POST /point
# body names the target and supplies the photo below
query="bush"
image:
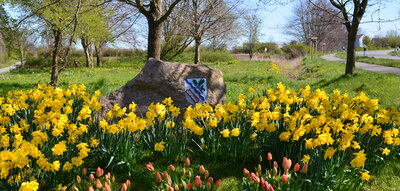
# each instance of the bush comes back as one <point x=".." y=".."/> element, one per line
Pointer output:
<point x="295" y="50"/>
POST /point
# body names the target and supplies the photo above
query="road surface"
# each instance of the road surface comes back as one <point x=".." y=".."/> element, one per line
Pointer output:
<point x="365" y="66"/>
<point x="379" y="54"/>
<point x="12" y="67"/>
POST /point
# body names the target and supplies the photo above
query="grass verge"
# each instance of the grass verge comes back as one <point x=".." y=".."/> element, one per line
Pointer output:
<point x="372" y="60"/>
<point x="8" y="63"/>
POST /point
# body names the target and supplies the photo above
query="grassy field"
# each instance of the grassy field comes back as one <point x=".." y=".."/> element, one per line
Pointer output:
<point x="315" y="72"/>
<point x="372" y="60"/>
<point x="393" y="53"/>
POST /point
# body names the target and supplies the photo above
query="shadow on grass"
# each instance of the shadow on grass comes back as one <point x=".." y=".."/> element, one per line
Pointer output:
<point x="12" y="86"/>
<point x="324" y="82"/>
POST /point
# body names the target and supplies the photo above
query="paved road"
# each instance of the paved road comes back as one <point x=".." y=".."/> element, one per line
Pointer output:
<point x="12" y="67"/>
<point x="364" y="66"/>
<point x="379" y="54"/>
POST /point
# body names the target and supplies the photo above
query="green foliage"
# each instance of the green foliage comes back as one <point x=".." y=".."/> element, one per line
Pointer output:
<point x="295" y="50"/>
<point x="367" y="41"/>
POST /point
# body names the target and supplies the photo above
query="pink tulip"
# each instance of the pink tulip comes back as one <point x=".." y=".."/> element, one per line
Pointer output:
<point x="187" y="162"/>
<point x="150" y="167"/>
<point x="78" y="179"/>
<point x="170" y="189"/>
<point x="206" y="174"/>
<point x="176" y="187"/>
<point x="218" y="183"/>
<point x="158" y="177"/>
<point x="208" y="186"/>
<point x="124" y="187"/>
<point x="304" y="169"/>
<point x="197" y="181"/>
<point x="98" y="184"/>
<point x="202" y="169"/>
<point x="128" y="183"/>
<point x="84" y="171"/>
<point x="269" y="156"/>
<point x="246" y="173"/>
<point x="171" y="167"/>
<point x="99" y="172"/>
<point x="285" y="179"/>
<point x="255" y="178"/>
<point x="296" y="167"/>
<point x="189" y="186"/>
<point x="107" y="187"/>
<point x="210" y="179"/>
<point x="91" y="177"/>
<point x="91" y="188"/>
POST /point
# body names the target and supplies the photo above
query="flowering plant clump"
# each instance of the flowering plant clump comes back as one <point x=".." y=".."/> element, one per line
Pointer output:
<point x="183" y="178"/>
<point x="99" y="180"/>
<point x="44" y="135"/>
<point x="274" y="177"/>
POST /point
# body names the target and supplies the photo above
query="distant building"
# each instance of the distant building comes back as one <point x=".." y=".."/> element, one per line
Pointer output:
<point x="359" y="40"/>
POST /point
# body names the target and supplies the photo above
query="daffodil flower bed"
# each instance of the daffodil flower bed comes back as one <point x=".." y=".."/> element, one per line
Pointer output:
<point x="47" y="134"/>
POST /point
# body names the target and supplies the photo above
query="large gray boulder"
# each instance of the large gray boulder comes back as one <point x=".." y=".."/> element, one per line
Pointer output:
<point x="159" y="80"/>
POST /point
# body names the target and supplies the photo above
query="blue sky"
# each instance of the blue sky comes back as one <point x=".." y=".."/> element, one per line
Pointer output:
<point x="275" y="19"/>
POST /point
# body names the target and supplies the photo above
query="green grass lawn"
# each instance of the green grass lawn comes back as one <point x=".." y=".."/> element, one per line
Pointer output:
<point x="315" y="72"/>
<point x="372" y="60"/>
<point x="8" y="63"/>
<point x="393" y="53"/>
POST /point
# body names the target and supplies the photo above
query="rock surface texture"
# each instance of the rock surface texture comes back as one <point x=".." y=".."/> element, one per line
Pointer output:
<point x="159" y="80"/>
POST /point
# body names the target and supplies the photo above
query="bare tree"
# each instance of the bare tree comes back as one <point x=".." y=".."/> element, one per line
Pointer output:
<point x="175" y="36"/>
<point x="312" y="21"/>
<point x="153" y="11"/>
<point x="210" y="18"/>
<point x="252" y="30"/>
<point x="352" y="20"/>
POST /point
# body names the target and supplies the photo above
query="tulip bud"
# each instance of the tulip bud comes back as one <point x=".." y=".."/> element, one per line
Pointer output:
<point x="269" y="157"/>
<point x="208" y="186"/>
<point x="275" y="164"/>
<point x="296" y="167"/>
<point x="150" y="167"/>
<point x="78" y="179"/>
<point x="84" y="171"/>
<point x="189" y="173"/>
<point x="107" y="176"/>
<point x="246" y="173"/>
<point x="165" y="175"/>
<point x="263" y="183"/>
<point x="202" y="169"/>
<point x="170" y="189"/>
<point x="218" y="183"/>
<point x="259" y="168"/>
<point x="260" y="158"/>
<point x="98" y="184"/>
<point x="275" y="171"/>
<point x="304" y="169"/>
<point x="158" y="177"/>
<point x="91" y="177"/>
<point x="206" y="174"/>
<point x="128" y="183"/>
<point x="124" y="187"/>
<point x="91" y="188"/>
<point x="197" y="181"/>
<point x="183" y="171"/>
<point x="255" y="178"/>
<point x="99" y="172"/>
<point x="285" y="179"/>
<point x="187" y="162"/>
<point x="210" y="179"/>
<point x="189" y="186"/>
<point x="176" y="187"/>
<point x="107" y="187"/>
<point x="171" y="167"/>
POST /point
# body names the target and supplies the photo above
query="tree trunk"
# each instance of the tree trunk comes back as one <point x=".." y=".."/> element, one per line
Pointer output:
<point x="99" y="54"/>
<point x="54" y="65"/>
<point x="197" y="52"/>
<point x="21" y="55"/>
<point x="87" y="49"/>
<point x="351" y="51"/>
<point x="154" y="40"/>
